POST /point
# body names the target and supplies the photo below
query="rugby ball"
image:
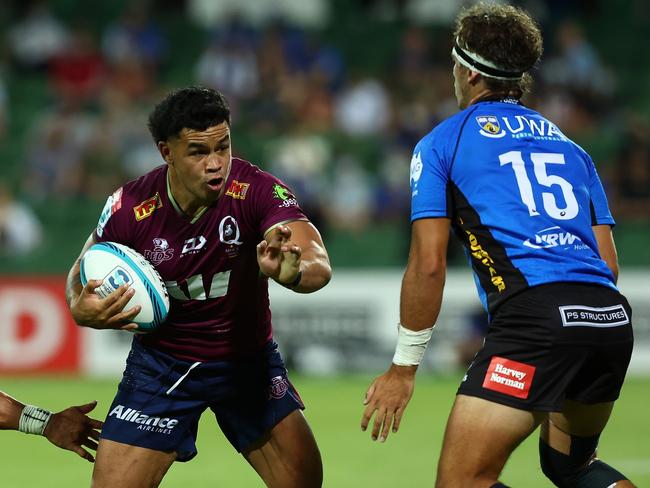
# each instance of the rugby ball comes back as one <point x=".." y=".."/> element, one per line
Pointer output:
<point x="116" y="264"/>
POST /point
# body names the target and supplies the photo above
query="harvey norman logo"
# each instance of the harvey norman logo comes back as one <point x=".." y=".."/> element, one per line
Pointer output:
<point x="554" y="237"/>
<point x="158" y="425"/>
<point x="509" y="377"/>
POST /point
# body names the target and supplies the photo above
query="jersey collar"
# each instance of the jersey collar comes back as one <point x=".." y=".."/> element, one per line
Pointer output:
<point x="497" y="98"/>
<point x="199" y="213"/>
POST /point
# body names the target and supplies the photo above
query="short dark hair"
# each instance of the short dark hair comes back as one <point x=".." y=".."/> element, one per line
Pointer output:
<point x="505" y="35"/>
<point x="193" y="107"/>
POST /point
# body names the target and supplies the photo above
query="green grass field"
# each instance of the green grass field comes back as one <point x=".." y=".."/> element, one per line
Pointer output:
<point x="351" y="460"/>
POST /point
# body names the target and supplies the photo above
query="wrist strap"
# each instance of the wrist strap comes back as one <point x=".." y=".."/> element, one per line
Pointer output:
<point x="295" y="282"/>
<point x="33" y="420"/>
<point x="411" y="345"/>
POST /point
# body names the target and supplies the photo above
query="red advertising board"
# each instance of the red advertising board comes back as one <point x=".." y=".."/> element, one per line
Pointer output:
<point x="37" y="333"/>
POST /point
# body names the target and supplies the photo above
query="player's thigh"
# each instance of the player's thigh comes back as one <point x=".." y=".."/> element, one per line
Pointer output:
<point x="479" y="438"/>
<point x="576" y="419"/>
<point x="125" y="466"/>
<point x="288" y="456"/>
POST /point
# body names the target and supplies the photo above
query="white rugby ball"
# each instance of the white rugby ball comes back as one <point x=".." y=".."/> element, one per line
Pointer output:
<point x="116" y="264"/>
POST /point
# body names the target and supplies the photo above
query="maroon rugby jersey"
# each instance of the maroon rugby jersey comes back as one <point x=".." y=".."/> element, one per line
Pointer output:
<point x="219" y="303"/>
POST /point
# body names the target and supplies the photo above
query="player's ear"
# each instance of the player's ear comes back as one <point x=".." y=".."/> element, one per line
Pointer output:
<point x="473" y="77"/>
<point x="165" y="152"/>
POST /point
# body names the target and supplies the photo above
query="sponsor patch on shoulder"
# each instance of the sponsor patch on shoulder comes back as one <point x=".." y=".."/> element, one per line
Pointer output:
<point x="285" y="196"/>
<point x="112" y="205"/>
<point x="579" y="315"/>
<point x="146" y="208"/>
<point x="509" y="377"/>
<point x="237" y="190"/>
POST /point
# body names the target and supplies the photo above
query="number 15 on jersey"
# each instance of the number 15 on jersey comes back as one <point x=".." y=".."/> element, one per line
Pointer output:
<point x="540" y="162"/>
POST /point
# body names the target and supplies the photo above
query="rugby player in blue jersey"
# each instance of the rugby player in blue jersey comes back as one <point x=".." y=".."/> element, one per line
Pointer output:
<point x="69" y="429"/>
<point x="216" y="228"/>
<point x="529" y="207"/>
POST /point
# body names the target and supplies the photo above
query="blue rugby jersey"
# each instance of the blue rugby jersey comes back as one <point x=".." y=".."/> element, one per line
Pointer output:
<point x="521" y="196"/>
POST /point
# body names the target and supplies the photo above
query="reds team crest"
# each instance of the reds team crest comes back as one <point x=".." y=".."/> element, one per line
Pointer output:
<point x="490" y="127"/>
<point x="278" y="388"/>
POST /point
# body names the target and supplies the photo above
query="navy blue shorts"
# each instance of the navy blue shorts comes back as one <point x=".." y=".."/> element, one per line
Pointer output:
<point x="551" y="343"/>
<point x="160" y="400"/>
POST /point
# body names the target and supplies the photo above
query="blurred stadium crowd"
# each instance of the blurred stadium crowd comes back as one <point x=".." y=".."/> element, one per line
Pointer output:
<point x="330" y="96"/>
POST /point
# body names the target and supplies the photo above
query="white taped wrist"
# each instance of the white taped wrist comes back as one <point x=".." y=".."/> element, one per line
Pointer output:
<point x="33" y="420"/>
<point x="411" y="345"/>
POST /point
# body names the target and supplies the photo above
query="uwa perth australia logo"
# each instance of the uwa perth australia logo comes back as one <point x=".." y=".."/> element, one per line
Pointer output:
<point x="159" y="425"/>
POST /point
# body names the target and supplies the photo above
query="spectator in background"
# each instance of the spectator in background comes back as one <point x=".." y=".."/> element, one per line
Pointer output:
<point x="54" y="167"/>
<point x="273" y="64"/>
<point x="577" y="64"/>
<point x="77" y="72"/>
<point x="4" y="103"/>
<point x="102" y="161"/>
<point x="349" y="205"/>
<point x="305" y="13"/>
<point x="414" y="60"/>
<point x="316" y="111"/>
<point x="392" y="203"/>
<point x="135" y="36"/>
<point x="131" y="78"/>
<point x="20" y="229"/>
<point x="363" y="108"/>
<point x="300" y="158"/>
<point x="229" y="62"/>
<point x="631" y="179"/>
<point x="37" y="38"/>
<point x="134" y="48"/>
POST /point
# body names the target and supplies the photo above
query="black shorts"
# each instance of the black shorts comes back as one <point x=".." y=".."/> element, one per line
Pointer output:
<point x="554" y="342"/>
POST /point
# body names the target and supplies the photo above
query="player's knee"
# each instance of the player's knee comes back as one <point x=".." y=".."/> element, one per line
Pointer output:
<point x="311" y="474"/>
<point x="452" y="478"/>
<point x="303" y="473"/>
<point x="577" y="469"/>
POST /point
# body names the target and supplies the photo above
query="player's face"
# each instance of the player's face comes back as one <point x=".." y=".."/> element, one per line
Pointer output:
<point x="199" y="163"/>
<point x="460" y="85"/>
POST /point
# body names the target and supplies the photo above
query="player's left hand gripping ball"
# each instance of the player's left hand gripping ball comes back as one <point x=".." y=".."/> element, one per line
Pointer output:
<point x="115" y="265"/>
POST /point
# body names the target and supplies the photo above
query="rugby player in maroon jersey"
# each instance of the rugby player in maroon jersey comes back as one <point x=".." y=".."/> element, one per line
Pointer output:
<point x="216" y="228"/>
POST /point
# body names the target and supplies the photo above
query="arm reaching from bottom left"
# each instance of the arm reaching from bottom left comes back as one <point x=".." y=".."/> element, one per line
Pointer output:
<point x="69" y="429"/>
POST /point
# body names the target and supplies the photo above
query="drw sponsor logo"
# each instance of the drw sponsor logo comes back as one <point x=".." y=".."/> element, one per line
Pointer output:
<point x="552" y="237"/>
<point x="161" y="425"/>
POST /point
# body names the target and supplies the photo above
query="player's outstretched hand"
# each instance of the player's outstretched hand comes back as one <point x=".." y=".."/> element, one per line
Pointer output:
<point x="90" y="310"/>
<point x="279" y="257"/>
<point x="387" y="398"/>
<point x="73" y="430"/>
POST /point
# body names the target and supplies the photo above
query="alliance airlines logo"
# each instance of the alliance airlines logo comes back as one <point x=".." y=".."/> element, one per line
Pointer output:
<point x="158" y="425"/>
<point x="554" y="237"/>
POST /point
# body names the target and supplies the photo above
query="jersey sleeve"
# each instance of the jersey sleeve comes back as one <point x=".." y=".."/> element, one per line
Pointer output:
<point x="600" y="213"/>
<point x="276" y="203"/>
<point x="429" y="180"/>
<point x="112" y="224"/>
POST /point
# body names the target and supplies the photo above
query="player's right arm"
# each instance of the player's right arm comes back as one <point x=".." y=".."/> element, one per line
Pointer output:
<point x="69" y="429"/>
<point x="90" y="310"/>
<point x="607" y="248"/>
<point x="420" y="301"/>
